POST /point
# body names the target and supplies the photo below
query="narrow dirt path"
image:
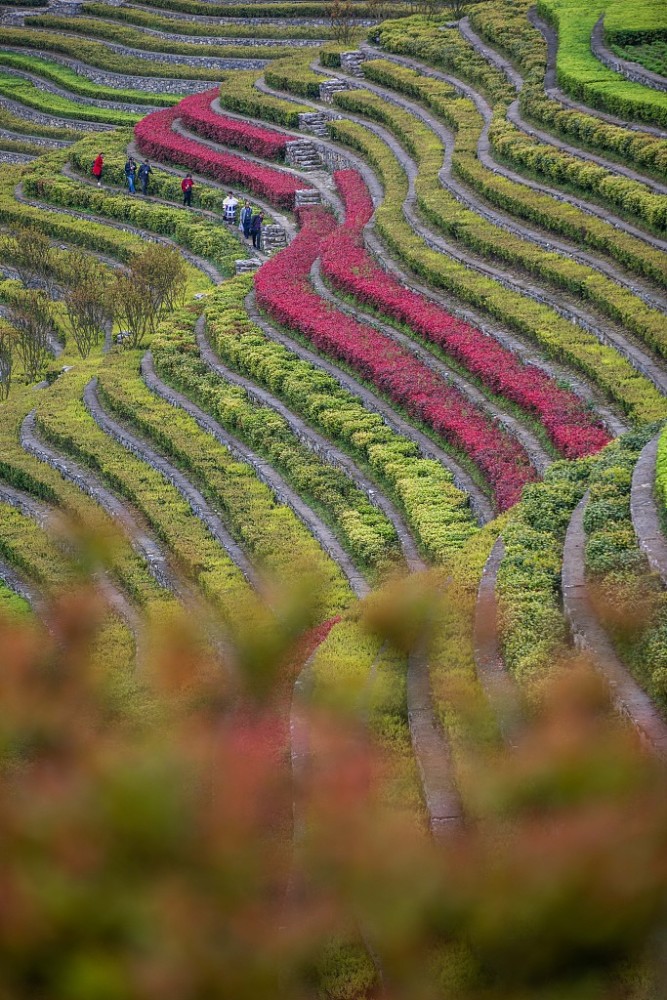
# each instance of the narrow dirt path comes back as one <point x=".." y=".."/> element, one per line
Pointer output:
<point x="645" y="510"/>
<point x="589" y="636"/>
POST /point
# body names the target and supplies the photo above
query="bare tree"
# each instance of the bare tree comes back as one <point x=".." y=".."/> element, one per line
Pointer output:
<point x="31" y="316"/>
<point x="32" y="257"/>
<point x="161" y="271"/>
<point x="340" y="14"/>
<point x="134" y="308"/>
<point x="88" y="302"/>
<point x="6" y="361"/>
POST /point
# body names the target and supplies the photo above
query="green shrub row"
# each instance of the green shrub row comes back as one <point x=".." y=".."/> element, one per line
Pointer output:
<point x="239" y="94"/>
<point x="27" y="547"/>
<point x="303" y="8"/>
<point x="14" y="123"/>
<point x="277" y="541"/>
<point x="362" y="529"/>
<point x="556" y="335"/>
<point x="135" y="39"/>
<point x="504" y="24"/>
<point x="582" y="75"/>
<point x="533" y="631"/>
<point x="149" y="19"/>
<point x="464" y="225"/>
<point x="100" y="56"/>
<point x="651" y="55"/>
<point x="25" y="92"/>
<point x="214" y="242"/>
<point x="556" y="167"/>
<point x="437" y="512"/>
<point x="431" y="41"/>
<point x="295" y="76"/>
<point x="644" y="21"/>
<point x="73" y="82"/>
<point x="20" y="146"/>
<point x="630" y="600"/>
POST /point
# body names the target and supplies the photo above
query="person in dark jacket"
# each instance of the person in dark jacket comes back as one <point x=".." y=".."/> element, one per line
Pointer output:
<point x="145" y="171"/>
<point x="187" y="185"/>
<point x="98" y="167"/>
<point x="256" y="229"/>
<point x="131" y="174"/>
<point x="245" y="219"/>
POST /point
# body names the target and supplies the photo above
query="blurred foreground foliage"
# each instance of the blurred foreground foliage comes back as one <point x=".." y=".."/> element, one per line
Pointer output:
<point x="146" y="847"/>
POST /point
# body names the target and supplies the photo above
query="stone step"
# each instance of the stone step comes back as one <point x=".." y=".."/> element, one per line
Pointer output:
<point x="302" y="154"/>
<point x="351" y="62"/>
<point x="315" y="122"/>
<point x="273" y="238"/>
<point x="330" y="87"/>
<point x="307" y="197"/>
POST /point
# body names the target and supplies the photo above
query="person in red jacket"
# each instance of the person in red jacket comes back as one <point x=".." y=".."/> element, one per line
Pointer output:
<point x="187" y="185"/>
<point x="98" y="167"/>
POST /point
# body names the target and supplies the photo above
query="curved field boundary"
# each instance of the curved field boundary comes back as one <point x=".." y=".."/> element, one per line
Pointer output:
<point x="552" y="89"/>
<point x="514" y="113"/>
<point x="497" y="683"/>
<point x="561" y="300"/>
<point x="173" y="86"/>
<point x="283" y="493"/>
<point x="48" y="87"/>
<point x="537" y="454"/>
<point x="42" y="118"/>
<point x="36" y="140"/>
<point x="198" y="504"/>
<point x="645" y="512"/>
<point x="428" y="448"/>
<point x="505" y="219"/>
<point x="320" y="445"/>
<point x="487" y="160"/>
<point x="143" y="543"/>
<point x="630" y="70"/>
<point x="589" y="636"/>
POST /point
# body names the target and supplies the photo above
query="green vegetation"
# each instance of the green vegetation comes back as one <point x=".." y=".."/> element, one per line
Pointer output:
<point x="582" y="76"/>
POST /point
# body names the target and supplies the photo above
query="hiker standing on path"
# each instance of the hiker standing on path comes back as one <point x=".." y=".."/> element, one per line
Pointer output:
<point x="131" y="174"/>
<point x="256" y="230"/>
<point x="145" y="170"/>
<point x="246" y="219"/>
<point x="229" y="208"/>
<point x="187" y="185"/>
<point x="98" y="167"/>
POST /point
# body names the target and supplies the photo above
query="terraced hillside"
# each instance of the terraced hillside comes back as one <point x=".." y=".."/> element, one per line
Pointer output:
<point x="445" y="358"/>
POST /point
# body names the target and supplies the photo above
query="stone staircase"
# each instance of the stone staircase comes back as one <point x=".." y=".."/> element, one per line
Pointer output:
<point x="315" y="122"/>
<point x="330" y="87"/>
<point x="302" y="155"/>
<point x="351" y="62"/>
<point x="273" y="238"/>
<point x="307" y="197"/>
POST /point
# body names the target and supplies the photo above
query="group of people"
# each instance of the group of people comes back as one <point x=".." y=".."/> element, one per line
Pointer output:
<point x="250" y="223"/>
<point x="133" y="173"/>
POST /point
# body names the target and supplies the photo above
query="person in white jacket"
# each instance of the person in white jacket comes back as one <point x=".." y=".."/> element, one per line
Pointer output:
<point x="229" y="208"/>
